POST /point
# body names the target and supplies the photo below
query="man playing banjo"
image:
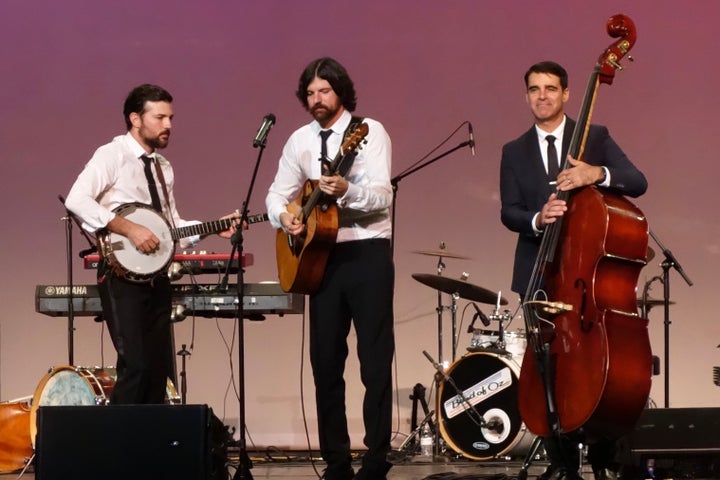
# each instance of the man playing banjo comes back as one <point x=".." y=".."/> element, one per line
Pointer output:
<point x="124" y="182"/>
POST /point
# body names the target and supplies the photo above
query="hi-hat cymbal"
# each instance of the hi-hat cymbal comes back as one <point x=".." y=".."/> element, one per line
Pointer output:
<point x="465" y="290"/>
<point x="652" y="302"/>
<point x="441" y="253"/>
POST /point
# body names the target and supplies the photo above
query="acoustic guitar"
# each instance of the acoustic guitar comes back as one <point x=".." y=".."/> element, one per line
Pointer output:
<point x="301" y="260"/>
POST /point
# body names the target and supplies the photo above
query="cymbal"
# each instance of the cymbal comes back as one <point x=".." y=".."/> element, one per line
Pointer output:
<point x="465" y="290"/>
<point x="652" y="302"/>
<point x="650" y="254"/>
<point x="441" y="253"/>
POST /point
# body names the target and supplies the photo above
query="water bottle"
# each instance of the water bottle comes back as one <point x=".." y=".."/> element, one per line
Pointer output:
<point x="650" y="468"/>
<point x="426" y="441"/>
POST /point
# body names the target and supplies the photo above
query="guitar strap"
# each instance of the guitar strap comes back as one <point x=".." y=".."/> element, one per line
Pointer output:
<point x="346" y="164"/>
<point x="161" y="177"/>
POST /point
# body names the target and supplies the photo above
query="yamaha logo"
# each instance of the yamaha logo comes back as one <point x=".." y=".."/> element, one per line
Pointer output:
<point x="481" y="446"/>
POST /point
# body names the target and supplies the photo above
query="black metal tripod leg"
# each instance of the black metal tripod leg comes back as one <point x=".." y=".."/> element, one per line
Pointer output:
<point x="534" y="447"/>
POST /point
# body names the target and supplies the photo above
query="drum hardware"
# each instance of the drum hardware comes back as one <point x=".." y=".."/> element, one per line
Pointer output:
<point x="183" y="374"/>
<point x="647" y="303"/>
<point x="412" y="442"/>
<point x="529" y="458"/>
<point x="499" y="346"/>
<point x="456" y="289"/>
<point x="441" y="253"/>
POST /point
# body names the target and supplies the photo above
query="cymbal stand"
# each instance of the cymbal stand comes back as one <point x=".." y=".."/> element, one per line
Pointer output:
<point x="439" y="310"/>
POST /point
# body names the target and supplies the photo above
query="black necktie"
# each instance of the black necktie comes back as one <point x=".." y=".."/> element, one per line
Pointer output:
<point x="151" y="183"/>
<point x="324" y="135"/>
<point x="552" y="158"/>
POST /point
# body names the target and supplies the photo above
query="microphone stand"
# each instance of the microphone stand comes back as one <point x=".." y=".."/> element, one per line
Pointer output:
<point x="71" y="307"/>
<point x="670" y="261"/>
<point x="68" y="219"/>
<point x="245" y="464"/>
<point x="396" y="180"/>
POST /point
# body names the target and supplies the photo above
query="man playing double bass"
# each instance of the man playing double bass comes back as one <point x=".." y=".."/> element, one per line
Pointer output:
<point x="529" y="183"/>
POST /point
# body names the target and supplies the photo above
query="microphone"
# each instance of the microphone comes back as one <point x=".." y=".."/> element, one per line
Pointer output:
<point x="472" y="139"/>
<point x="262" y="133"/>
<point x="483" y="318"/>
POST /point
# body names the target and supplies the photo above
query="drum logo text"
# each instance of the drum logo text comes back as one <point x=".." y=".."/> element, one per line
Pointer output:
<point x="484" y="389"/>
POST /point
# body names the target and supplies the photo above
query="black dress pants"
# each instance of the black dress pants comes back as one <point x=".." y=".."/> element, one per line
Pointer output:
<point x="357" y="288"/>
<point x="138" y="320"/>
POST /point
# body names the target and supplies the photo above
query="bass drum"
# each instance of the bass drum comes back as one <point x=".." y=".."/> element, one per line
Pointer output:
<point x="67" y="385"/>
<point x="484" y="386"/>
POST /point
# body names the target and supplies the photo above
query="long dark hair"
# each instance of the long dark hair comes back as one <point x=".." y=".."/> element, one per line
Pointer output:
<point x="328" y="69"/>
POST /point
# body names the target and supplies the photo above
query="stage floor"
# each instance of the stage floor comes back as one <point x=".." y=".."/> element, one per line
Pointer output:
<point x="409" y="470"/>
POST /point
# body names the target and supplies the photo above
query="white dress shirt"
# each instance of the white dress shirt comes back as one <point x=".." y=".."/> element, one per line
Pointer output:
<point x="364" y="210"/>
<point x="115" y="176"/>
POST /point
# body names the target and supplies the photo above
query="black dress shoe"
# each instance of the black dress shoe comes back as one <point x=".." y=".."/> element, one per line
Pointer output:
<point x="331" y="474"/>
<point x="559" y="473"/>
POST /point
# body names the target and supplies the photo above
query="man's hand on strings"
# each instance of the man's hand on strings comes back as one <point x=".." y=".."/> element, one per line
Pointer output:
<point x="291" y="224"/>
<point x="550" y="212"/>
<point x="580" y="175"/>
<point x="333" y="185"/>
<point x="235" y="216"/>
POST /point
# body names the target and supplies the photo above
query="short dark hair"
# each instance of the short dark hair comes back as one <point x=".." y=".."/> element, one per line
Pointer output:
<point x="135" y="101"/>
<point x="551" y="68"/>
<point x="335" y="74"/>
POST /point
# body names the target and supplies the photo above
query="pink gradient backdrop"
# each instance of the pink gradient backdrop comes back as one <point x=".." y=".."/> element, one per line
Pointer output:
<point x="421" y="67"/>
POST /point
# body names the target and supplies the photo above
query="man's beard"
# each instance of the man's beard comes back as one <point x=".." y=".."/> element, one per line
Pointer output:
<point x="158" y="142"/>
<point x="323" y="112"/>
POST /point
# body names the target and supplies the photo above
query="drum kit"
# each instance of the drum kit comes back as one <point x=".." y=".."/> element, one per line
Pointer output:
<point x="477" y="394"/>
<point x="62" y="385"/>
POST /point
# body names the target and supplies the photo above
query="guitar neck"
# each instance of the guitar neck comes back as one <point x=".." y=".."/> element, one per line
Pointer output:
<point x="214" y="226"/>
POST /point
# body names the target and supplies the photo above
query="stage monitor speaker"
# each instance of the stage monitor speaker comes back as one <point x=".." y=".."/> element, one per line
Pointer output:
<point x="130" y="441"/>
<point x="675" y="442"/>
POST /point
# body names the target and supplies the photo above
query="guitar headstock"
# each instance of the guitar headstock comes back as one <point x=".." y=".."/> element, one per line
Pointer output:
<point x="355" y="139"/>
<point x="617" y="26"/>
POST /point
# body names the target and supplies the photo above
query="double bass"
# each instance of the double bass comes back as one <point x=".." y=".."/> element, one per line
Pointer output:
<point x="588" y="362"/>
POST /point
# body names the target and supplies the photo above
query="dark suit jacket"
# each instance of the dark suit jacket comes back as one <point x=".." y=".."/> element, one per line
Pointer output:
<point x="524" y="187"/>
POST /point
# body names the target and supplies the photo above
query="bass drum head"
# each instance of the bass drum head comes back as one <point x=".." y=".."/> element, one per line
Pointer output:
<point x="69" y="385"/>
<point x="489" y="387"/>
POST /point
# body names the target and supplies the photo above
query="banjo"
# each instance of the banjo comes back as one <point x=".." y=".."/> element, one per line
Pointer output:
<point x="135" y="266"/>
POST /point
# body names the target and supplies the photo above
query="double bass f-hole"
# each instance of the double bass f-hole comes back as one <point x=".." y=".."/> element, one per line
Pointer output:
<point x="584" y="326"/>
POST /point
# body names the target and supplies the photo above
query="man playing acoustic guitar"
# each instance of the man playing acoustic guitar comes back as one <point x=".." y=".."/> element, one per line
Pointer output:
<point x="357" y="282"/>
<point x="117" y="185"/>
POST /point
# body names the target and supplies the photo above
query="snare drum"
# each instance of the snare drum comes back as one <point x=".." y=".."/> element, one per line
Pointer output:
<point x="488" y="390"/>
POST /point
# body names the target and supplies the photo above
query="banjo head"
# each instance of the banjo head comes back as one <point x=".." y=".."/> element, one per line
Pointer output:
<point x="122" y="255"/>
